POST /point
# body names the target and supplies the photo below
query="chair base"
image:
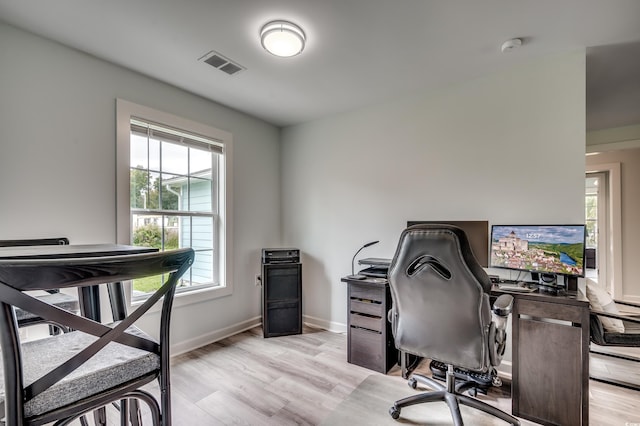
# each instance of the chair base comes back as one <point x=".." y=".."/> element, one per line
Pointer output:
<point x="452" y="396"/>
<point x="482" y="382"/>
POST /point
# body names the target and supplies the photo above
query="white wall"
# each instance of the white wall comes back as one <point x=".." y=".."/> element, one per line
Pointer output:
<point x="507" y="148"/>
<point x="57" y="163"/>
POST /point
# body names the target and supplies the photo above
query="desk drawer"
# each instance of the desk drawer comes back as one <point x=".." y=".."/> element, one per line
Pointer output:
<point x="366" y="293"/>
<point x="366" y="321"/>
<point x="369" y="308"/>
<point x="367" y="350"/>
<point x="555" y="311"/>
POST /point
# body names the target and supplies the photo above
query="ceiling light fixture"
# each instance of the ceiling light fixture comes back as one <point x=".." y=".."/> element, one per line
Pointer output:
<point x="282" y="38"/>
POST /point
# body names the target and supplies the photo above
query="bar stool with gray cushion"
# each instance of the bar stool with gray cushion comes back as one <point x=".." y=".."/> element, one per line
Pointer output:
<point x="65" y="301"/>
<point x="64" y="376"/>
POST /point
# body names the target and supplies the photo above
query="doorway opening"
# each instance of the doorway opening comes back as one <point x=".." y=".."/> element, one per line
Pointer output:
<point x="603" y="220"/>
<point x="595" y="222"/>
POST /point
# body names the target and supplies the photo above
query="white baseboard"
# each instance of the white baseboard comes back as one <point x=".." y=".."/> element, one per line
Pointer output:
<point x="335" y="327"/>
<point x="504" y="370"/>
<point x="632" y="299"/>
<point x="214" y="336"/>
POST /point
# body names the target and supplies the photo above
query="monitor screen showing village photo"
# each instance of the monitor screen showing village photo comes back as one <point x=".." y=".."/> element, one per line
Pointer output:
<point x="549" y="249"/>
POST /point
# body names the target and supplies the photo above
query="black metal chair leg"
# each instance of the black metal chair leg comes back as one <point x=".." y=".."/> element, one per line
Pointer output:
<point x="100" y="417"/>
<point x="124" y="412"/>
<point x="134" y="413"/>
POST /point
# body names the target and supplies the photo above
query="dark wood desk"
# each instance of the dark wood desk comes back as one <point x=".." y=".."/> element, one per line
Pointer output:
<point x="89" y="295"/>
<point x="369" y="339"/>
<point x="550" y="348"/>
<point x="550" y="365"/>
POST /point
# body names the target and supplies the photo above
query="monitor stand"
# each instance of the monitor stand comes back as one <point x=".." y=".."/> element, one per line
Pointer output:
<point x="548" y="283"/>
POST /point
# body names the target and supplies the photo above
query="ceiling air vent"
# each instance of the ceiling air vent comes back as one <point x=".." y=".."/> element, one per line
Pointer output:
<point x="222" y="63"/>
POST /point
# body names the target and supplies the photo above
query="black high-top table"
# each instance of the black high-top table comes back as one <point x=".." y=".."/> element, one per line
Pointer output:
<point x="89" y="296"/>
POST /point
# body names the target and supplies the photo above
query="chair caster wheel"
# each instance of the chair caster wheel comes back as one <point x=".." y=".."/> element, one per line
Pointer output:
<point x="496" y="381"/>
<point x="394" y="412"/>
<point x="413" y="383"/>
<point x="473" y="392"/>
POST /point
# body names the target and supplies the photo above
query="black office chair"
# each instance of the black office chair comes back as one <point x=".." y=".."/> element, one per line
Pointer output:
<point x="441" y="311"/>
<point x="60" y="378"/>
<point x="54" y="297"/>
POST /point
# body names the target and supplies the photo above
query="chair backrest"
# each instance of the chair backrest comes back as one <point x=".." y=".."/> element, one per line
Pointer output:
<point x="440" y="297"/>
<point x="62" y="241"/>
<point x="596" y="330"/>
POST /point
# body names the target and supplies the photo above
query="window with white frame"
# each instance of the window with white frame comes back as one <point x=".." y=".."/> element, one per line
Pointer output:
<point x="175" y="192"/>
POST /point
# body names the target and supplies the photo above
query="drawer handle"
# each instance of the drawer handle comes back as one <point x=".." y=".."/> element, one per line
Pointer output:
<point x="362" y="314"/>
<point x="366" y="330"/>
<point x="358" y="299"/>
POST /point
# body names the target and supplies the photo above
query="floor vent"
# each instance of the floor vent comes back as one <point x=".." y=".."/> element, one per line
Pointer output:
<point x="222" y="63"/>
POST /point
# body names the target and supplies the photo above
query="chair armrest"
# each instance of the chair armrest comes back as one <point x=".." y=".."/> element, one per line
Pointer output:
<point x="633" y="319"/>
<point x="632" y="304"/>
<point x="503" y="305"/>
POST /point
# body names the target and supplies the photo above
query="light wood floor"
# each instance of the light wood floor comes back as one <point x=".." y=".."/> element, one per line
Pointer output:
<point x="248" y="380"/>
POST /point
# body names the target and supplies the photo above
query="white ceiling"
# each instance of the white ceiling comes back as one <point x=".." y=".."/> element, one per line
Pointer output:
<point x="358" y="53"/>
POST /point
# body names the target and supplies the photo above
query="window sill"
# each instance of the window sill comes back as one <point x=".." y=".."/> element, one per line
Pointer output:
<point x="190" y="297"/>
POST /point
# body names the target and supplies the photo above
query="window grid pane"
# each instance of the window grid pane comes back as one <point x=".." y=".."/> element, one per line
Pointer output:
<point x="173" y="204"/>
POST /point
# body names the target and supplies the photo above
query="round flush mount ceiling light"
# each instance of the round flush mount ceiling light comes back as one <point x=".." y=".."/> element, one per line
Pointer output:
<point x="282" y="38"/>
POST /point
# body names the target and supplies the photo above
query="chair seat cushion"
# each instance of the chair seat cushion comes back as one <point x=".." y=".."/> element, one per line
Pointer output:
<point x="630" y="337"/>
<point x="61" y="300"/>
<point x="114" y="365"/>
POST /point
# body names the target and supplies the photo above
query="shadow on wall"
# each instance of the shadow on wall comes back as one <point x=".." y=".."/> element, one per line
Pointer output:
<point x="317" y="295"/>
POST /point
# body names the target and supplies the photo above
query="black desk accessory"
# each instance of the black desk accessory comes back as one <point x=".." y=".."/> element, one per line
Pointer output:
<point x="374" y="272"/>
<point x="519" y="287"/>
<point x="353" y="275"/>
<point x="374" y="267"/>
<point x="375" y="261"/>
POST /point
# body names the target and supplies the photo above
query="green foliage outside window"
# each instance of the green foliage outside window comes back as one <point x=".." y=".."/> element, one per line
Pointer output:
<point x="145" y="190"/>
<point x="148" y="236"/>
<point x="151" y="236"/>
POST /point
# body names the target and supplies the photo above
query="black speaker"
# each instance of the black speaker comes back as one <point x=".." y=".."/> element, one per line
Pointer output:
<point x="281" y="299"/>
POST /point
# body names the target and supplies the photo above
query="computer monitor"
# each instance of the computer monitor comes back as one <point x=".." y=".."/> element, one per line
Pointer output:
<point x="543" y="250"/>
<point x="477" y="233"/>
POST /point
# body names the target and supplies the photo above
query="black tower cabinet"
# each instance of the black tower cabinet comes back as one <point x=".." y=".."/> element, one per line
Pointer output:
<point x="281" y="292"/>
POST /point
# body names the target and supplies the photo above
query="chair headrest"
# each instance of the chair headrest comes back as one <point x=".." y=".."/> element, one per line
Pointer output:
<point x="423" y="240"/>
